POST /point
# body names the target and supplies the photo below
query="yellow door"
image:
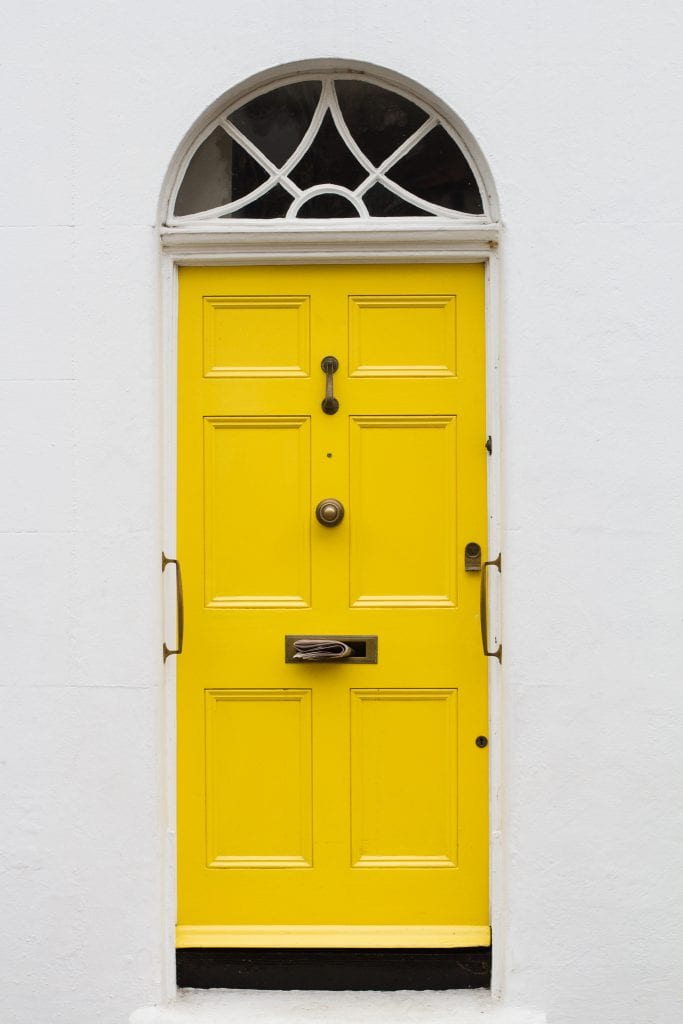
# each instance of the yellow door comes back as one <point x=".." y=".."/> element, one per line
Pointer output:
<point x="340" y="803"/>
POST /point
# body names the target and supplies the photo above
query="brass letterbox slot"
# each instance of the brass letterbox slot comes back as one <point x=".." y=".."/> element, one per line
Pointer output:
<point x="364" y="649"/>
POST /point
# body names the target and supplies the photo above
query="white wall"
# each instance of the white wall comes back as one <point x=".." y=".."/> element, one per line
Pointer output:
<point x="577" y="107"/>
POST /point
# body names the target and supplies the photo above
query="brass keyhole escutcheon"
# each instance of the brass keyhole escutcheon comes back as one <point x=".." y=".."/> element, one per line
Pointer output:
<point x="329" y="512"/>
<point x="472" y="557"/>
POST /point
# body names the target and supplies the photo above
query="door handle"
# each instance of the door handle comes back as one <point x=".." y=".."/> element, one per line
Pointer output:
<point x="329" y="512"/>
<point x="179" y="605"/>
<point x="483" y="612"/>
<point x="329" y="366"/>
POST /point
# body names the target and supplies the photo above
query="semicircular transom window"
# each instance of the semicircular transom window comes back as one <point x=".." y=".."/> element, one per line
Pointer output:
<point x="327" y="147"/>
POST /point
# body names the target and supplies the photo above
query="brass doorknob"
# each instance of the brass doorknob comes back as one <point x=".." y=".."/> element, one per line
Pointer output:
<point x="329" y="512"/>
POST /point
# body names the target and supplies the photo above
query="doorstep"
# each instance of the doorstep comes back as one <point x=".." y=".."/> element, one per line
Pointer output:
<point x="247" y="1006"/>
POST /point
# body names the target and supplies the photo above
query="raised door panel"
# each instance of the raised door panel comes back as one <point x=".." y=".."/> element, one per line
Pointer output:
<point x="256" y="336"/>
<point x="258" y="778"/>
<point x="402" y="335"/>
<point x="403" y="778"/>
<point x="402" y="472"/>
<point x="257" y="498"/>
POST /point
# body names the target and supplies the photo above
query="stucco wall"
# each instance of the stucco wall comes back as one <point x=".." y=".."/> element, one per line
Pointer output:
<point x="577" y="108"/>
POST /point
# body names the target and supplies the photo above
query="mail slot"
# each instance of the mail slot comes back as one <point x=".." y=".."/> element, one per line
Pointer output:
<point x="364" y="649"/>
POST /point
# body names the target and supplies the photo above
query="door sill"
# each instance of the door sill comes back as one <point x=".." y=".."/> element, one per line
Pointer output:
<point x="335" y="970"/>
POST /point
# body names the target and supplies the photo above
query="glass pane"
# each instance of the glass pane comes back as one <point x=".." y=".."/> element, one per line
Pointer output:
<point x="329" y="161"/>
<point x="383" y="203"/>
<point x="277" y="121"/>
<point x="273" y="203"/>
<point x="329" y="205"/>
<point x="436" y="170"/>
<point x="379" y="120"/>
<point x="219" y="172"/>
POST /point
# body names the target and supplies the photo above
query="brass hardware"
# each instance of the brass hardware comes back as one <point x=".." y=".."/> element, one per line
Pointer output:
<point x="483" y="613"/>
<point x="179" y="604"/>
<point x="329" y="512"/>
<point x="329" y="366"/>
<point x="364" y="649"/>
<point x="472" y="557"/>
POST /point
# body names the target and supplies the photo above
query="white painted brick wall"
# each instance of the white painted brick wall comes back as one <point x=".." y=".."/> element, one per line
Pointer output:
<point x="577" y="108"/>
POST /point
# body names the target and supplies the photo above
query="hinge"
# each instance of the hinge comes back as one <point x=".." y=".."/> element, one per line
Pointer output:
<point x="489" y="445"/>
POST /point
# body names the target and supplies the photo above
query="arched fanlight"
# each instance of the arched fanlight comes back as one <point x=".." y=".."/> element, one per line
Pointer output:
<point x="326" y="147"/>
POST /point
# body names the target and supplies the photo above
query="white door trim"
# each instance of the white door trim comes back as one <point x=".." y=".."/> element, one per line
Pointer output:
<point x="182" y="247"/>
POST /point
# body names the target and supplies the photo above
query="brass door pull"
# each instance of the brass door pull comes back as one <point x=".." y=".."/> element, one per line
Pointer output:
<point x="179" y="604"/>
<point x="483" y="612"/>
<point x="329" y="366"/>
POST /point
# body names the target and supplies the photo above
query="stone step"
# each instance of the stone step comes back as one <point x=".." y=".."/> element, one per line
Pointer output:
<point x="246" y="1006"/>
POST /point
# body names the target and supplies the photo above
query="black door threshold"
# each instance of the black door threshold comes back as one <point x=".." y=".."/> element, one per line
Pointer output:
<point x="383" y="970"/>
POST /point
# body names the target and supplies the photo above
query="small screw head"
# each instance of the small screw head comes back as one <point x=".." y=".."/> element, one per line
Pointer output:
<point x="482" y="741"/>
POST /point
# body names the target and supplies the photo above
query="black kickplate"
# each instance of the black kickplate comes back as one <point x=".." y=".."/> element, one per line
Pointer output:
<point x="384" y="970"/>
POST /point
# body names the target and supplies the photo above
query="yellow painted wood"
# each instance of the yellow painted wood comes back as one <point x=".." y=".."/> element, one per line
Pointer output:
<point x="404" y="810"/>
<point x="249" y="807"/>
<point x="254" y="336"/>
<point x="382" y="332"/>
<point x="270" y="563"/>
<point x="402" y="490"/>
<point x="332" y="804"/>
<point x="333" y="936"/>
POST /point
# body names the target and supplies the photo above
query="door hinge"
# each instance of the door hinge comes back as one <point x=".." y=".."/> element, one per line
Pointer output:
<point x="489" y="445"/>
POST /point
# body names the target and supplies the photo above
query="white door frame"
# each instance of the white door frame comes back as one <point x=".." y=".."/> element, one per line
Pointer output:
<point x="347" y="245"/>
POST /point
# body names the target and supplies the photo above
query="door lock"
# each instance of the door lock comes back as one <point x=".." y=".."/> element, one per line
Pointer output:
<point x="329" y="512"/>
<point x="472" y="557"/>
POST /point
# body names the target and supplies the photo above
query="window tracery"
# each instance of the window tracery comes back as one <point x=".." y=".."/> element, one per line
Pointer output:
<point x="327" y="147"/>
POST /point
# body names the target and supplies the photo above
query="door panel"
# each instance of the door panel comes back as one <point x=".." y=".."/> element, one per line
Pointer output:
<point x="382" y="332"/>
<point x="256" y="336"/>
<point x="403" y="778"/>
<point x="270" y="563"/>
<point x="331" y="804"/>
<point x="402" y="477"/>
<point x="259" y="809"/>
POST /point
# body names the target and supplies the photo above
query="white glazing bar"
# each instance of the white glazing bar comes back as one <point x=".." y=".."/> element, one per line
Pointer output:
<point x="346" y="135"/>
<point x="424" y="204"/>
<point x="251" y="149"/>
<point x="406" y="146"/>
<point x="311" y="132"/>
<point x="219" y="211"/>
<point x="327" y="190"/>
<point x="377" y="174"/>
<point x="276" y="177"/>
